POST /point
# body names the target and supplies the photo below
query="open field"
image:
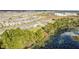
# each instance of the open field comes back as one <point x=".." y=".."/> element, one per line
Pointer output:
<point x="39" y="29"/>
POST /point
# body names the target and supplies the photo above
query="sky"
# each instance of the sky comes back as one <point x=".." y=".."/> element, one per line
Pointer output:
<point x="39" y="4"/>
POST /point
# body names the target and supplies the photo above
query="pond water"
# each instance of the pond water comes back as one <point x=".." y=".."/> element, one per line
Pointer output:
<point x="64" y="40"/>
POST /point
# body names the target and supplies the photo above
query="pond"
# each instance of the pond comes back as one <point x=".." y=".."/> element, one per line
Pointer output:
<point x="64" y="40"/>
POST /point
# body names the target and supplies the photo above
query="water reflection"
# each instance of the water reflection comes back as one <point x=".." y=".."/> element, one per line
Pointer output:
<point x="64" y="40"/>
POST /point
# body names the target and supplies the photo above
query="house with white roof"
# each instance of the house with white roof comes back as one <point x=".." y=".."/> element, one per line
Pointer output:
<point x="65" y="14"/>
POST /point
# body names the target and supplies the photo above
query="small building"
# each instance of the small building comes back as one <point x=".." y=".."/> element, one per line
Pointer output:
<point x="60" y="14"/>
<point x="66" y="14"/>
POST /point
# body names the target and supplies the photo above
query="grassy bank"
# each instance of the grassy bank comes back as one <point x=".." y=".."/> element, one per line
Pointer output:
<point x="18" y="38"/>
